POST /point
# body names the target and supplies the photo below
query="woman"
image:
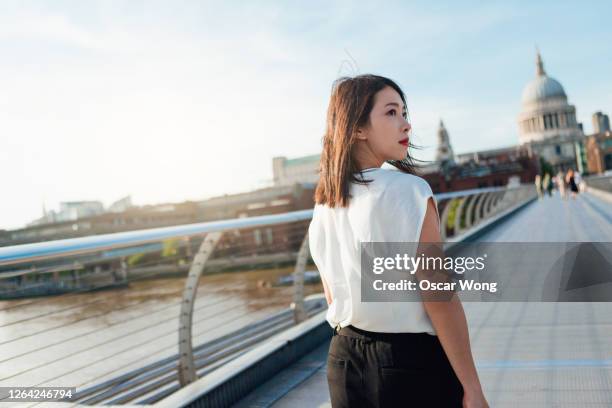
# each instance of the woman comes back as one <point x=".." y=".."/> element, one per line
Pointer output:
<point x="561" y="185"/>
<point x="571" y="182"/>
<point x="382" y="354"/>
<point x="538" y="184"/>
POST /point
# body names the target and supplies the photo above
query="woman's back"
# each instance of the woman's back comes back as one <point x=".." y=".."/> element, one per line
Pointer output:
<point x="390" y="208"/>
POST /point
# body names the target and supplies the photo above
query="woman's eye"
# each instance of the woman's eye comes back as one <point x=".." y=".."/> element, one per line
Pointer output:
<point x="391" y="112"/>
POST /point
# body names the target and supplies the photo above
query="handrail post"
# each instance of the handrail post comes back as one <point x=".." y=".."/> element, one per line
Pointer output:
<point x="444" y="218"/>
<point x="299" y="311"/>
<point x="458" y="212"/>
<point x="487" y="205"/>
<point x="186" y="368"/>
<point x="469" y="210"/>
<point x="123" y="270"/>
<point x="477" y="217"/>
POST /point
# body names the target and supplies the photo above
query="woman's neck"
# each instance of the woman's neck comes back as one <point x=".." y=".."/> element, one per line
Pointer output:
<point x="367" y="160"/>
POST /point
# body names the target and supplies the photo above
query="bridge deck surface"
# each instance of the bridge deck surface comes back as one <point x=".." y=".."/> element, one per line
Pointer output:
<point x="528" y="354"/>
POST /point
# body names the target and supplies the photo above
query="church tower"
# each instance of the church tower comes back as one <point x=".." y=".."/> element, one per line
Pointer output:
<point x="444" y="154"/>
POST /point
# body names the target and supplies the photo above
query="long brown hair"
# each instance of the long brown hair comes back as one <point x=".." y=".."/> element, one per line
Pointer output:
<point x="351" y="102"/>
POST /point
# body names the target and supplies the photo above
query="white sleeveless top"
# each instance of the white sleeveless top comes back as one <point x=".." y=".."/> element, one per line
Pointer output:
<point x="391" y="208"/>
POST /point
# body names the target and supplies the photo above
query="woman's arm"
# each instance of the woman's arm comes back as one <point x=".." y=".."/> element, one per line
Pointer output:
<point x="328" y="295"/>
<point x="450" y="324"/>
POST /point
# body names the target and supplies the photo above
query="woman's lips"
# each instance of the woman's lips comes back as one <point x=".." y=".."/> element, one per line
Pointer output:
<point x="404" y="142"/>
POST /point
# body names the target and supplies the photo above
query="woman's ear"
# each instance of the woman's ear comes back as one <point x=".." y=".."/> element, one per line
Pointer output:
<point x="361" y="134"/>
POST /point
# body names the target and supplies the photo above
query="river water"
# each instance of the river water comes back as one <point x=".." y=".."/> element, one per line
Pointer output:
<point x="77" y="340"/>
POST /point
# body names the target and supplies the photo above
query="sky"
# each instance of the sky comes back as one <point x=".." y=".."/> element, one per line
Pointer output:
<point x="184" y="100"/>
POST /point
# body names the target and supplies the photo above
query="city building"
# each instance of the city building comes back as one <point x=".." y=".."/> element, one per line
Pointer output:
<point x="547" y="122"/>
<point x="298" y="170"/>
<point x="601" y="122"/>
<point x="486" y="168"/>
<point x="283" y="238"/>
<point x="134" y="218"/>
<point x="599" y="152"/>
<point x="121" y="205"/>
<point x="70" y="211"/>
<point x="272" y="200"/>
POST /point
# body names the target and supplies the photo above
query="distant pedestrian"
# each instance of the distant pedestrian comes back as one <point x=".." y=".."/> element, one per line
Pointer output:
<point x="561" y="185"/>
<point x="538" y="185"/>
<point x="571" y="182"/>
<point x="547" y="185"/>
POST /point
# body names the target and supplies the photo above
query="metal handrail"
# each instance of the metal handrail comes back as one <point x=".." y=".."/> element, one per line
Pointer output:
<point x="472" y="191"/>
<point x="77" y="246"/>
<point x="597" y="176"/>
<point x="39" y="251"/>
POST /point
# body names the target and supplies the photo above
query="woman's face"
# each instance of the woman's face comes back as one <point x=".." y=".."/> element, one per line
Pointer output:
<point x="386" y="136"/>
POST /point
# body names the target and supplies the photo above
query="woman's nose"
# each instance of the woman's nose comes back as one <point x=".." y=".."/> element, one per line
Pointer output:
<point x="406" y="127"/>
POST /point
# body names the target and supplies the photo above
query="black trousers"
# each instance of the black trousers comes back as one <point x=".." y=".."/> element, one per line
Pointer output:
<point x="368" y="369"/>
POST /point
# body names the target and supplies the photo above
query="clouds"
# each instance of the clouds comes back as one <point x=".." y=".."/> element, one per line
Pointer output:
<point x="173" y="101"/>
<point x="96" y="112"/>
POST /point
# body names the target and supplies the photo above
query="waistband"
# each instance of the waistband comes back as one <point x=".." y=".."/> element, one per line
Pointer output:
<point x="357" y="333"/>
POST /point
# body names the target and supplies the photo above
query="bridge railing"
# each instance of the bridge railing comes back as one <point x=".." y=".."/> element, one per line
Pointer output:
<point x="83" y="265"/>
<point x="600" y="185"/>
<point x="461" y="212"/>
<point x="120" y="345"/>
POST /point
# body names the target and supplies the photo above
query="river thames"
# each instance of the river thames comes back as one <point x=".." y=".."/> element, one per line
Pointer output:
<point x="79" y="340"/>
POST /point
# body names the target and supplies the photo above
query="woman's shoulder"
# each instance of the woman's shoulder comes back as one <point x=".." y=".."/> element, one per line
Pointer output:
<point x="400" y="182"/>
<point x="321" y="212"/>
<point x="401" y="208"/>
